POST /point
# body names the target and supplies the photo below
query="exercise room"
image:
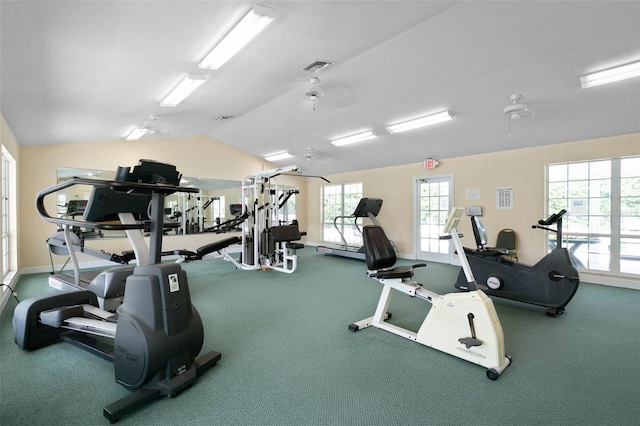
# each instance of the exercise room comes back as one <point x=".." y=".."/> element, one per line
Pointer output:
<point x="341" y="213"/>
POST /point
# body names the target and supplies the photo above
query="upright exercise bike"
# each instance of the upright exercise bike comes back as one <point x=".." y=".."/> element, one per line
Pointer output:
<point x="551" y="282"/>
<point x="464" y="325"/>
<point x="157" y="333"/>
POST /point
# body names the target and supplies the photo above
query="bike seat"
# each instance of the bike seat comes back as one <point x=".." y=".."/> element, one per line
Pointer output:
<point x="398" y="272"/>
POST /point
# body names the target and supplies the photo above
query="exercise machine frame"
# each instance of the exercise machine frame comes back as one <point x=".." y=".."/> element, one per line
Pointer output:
<point x="551" y="282"/>
<point x="366" y="208"/>
<point x="464" y="325"/>
<point x="102" y="207"/>
<point x="157" y="332"/>
<point x="265" y="245"/>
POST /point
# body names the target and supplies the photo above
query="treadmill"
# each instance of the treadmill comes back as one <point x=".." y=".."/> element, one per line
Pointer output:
<point x="367" y="207"/>
<point x="108" y="284"/>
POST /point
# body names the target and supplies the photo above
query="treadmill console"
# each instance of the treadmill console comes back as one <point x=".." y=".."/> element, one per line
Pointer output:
<point x="366" y="206"/>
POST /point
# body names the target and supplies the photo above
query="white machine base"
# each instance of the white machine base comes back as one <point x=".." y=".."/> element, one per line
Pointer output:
<point x="464" y="324"/>
<point x="447" y="327"/>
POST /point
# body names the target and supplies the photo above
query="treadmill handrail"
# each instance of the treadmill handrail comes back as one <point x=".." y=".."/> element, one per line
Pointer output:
<point x="335" y="224"/>
<point x="151" y="187"/>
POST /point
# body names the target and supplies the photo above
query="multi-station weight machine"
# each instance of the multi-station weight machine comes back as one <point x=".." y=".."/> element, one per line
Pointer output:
<point x="267" y="241"/>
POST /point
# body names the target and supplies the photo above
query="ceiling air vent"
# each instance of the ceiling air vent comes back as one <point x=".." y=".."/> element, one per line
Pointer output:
<point x="316" y="66"/>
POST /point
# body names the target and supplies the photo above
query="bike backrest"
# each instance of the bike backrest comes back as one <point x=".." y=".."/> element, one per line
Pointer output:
<point x="379" y="251"/>
<point x="479" y="232"/>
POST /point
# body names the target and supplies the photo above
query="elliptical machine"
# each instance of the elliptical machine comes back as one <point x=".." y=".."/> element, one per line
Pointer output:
<point x="551" y="282"/>
<point x="157" y="332"/>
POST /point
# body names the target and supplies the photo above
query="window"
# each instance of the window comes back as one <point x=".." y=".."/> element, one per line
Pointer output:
<point x="62" y="200"/>
<point x="287" y="213"/>
<point x="5" y="215"/>
<point x="340" y="200"/>
<point x="217" y="210"/>
<point x="8" y="217"/>
<point x="630" y="215"/>
<point x="434" y="202"/>
<point x="602" y="230"/>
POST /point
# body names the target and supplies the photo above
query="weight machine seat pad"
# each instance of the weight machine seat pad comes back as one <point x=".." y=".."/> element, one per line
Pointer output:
<point x="218" y="245"/>
<point x="492" y="255"/>
<point x="295" y="246"/>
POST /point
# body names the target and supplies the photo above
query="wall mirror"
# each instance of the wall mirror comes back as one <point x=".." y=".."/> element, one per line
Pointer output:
<point x="212" y="209"/>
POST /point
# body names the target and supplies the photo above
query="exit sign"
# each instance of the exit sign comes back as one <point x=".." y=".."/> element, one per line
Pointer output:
<point x="429" y="163"/>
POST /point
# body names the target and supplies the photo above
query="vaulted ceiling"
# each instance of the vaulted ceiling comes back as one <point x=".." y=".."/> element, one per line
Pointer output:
<point x="82" y="71"/>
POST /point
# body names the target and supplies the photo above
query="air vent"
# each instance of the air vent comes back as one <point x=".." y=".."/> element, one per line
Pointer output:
<point x="224" y="117"/>
<point x="316" y="66"/>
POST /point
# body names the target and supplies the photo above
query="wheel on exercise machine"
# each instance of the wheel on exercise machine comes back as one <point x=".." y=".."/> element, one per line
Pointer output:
<point x="492" y="374"/>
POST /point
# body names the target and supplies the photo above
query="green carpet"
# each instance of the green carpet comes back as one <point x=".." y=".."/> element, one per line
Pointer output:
<point x="289" y="359"/>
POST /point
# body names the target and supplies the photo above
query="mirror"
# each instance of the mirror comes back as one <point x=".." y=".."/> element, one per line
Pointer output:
<point x="208" y="211"/>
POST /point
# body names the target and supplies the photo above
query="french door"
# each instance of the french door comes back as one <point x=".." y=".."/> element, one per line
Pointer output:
<point x="434" y="200"/>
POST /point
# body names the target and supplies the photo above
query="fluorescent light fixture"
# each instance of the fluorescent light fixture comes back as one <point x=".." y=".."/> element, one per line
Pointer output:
<point x="136" y="133"/>
<point x="358" y="137"/>
<point x="611" y="75"/>
<point x="249" y="27"/>
<point x="278" y="156"/>
<point x="186" y="86"/>
<point x="420" y="122"/>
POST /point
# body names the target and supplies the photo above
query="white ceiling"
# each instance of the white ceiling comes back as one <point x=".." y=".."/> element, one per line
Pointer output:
<point x="74" y="71"/>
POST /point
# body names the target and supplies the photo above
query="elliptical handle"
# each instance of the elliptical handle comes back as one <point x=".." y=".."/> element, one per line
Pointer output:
<point x="555" y="218"/>
<point x="123" y="186"/>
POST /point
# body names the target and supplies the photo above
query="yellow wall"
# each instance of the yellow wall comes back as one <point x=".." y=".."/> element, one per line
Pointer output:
<point x="202" y="156"/>
<point x="521" y="169"/>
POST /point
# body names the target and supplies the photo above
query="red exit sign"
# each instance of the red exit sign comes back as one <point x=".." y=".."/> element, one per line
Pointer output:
<point x="430" y="163"/>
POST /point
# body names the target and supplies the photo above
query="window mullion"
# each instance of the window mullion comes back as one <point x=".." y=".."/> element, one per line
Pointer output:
<point x="615" y="215"/>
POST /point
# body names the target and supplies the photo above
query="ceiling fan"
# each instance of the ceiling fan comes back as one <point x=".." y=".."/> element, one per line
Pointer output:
<point x="153" y="127"/>
<point x="516" y="110"/>
<point x="314" y="92"/>
<point x="333" y="94"/>
<point x="312" y="157"/>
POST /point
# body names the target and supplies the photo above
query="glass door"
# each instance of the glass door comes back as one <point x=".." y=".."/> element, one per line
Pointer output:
<point x="434" y="200"/>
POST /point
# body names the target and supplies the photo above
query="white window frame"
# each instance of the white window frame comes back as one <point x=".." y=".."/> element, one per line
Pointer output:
<point x="348" y="196"/>
<point x="5" y="221"/>
<point x="8" y="222"/>
<point x="427" y="244"/>
<point x="597" y="230"/>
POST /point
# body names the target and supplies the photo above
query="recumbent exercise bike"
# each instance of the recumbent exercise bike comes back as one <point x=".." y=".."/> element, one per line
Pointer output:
<point x="462" y="324"/>
<point x="551" y="282"/>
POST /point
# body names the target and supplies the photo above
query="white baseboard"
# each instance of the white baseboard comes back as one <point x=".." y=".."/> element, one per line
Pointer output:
<point x="610" y="280"/>
<point x="83" y="265"/>
<point x="5" y="293"/>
